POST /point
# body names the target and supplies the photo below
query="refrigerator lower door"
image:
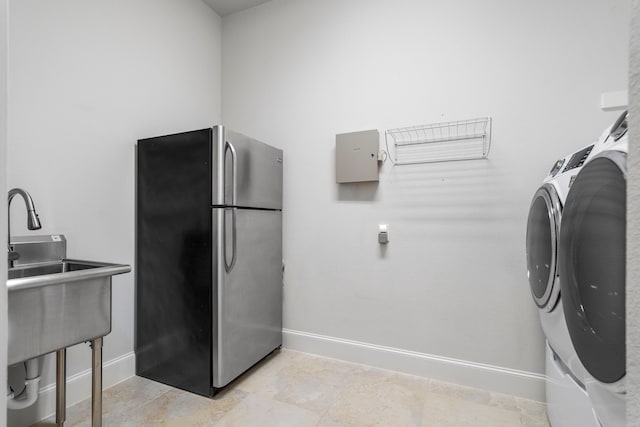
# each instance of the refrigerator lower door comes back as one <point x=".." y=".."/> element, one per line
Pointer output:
<point x="248" y="298"/>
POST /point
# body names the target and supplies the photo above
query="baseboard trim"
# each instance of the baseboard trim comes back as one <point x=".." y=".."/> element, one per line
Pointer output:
<point x="524" y="384"/>
<point x="78" y="388"/>
<point x="79" y="385"/>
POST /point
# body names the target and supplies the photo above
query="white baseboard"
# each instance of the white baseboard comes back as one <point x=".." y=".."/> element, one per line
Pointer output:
<point x="494" y="378"/>
<point x="78" y="389"/>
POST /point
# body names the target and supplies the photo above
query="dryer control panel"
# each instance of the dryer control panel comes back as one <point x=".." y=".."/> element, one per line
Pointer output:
<point x="578" y="158"/>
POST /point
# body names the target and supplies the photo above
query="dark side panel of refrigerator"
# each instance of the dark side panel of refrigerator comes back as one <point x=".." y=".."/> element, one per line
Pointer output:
<point x="174" y="261"/>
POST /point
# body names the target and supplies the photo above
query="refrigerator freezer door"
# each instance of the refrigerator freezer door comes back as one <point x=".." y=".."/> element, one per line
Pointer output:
<point x="248" y="297"/>
<point x="258" y="171"/>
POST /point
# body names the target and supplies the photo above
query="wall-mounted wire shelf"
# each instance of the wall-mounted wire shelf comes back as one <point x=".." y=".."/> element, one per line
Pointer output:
<point x="440" y="142"/>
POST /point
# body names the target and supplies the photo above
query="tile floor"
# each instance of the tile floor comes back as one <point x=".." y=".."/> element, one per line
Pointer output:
<point x="297" y="389"/>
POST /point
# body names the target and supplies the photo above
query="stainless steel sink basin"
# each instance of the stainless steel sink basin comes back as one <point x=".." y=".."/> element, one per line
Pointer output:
<point x="55" y="305"/>
<point x="53" y="268"/>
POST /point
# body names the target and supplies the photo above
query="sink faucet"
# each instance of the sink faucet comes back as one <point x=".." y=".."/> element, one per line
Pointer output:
<point x="33" y="223"/>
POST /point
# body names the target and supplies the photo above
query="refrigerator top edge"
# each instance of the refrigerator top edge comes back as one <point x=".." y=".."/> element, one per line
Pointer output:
<point x="220" y="132"/>
<point x="245" y="172"/>
<point x="176" y="134"/>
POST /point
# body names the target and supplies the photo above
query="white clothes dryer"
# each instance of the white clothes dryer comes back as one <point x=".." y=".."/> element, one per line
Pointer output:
<point x="568" y="404"/>
<point x="592" y="264"/>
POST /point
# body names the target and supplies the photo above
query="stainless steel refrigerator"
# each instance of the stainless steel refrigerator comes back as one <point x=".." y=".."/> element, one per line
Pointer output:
<point x="208" y="257"/>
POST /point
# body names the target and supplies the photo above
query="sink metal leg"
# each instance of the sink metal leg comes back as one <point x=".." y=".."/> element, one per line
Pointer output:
<point x="96" y="383"/>
<point x="61" y="387"/>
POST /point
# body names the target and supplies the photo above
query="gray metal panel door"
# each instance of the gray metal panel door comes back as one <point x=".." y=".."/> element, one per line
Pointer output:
<point x="248" y="172"/>
<point x="248" y="297"/>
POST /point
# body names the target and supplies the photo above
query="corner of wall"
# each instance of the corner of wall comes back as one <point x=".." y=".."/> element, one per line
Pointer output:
<point x="4" y="4"/>
<point x="633" y="222"/>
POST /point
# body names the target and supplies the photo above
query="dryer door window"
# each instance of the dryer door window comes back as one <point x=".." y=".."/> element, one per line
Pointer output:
<point x="592" y="265"/>
<point x="542" y="231"/>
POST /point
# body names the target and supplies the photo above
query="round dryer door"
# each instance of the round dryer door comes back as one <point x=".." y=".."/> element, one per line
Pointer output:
<point x="542" y="237"/>
<point x="592" y="265"/>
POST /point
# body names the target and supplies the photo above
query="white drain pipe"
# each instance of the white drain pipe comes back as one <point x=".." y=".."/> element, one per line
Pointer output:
<point x="32" y="387"/>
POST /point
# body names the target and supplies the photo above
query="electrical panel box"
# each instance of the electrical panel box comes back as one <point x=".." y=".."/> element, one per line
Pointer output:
<point x="357" y="156"/>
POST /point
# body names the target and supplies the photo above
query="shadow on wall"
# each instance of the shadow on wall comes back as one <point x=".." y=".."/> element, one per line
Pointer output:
<point x="452" y="192"/>
<point x="358" y="191"/>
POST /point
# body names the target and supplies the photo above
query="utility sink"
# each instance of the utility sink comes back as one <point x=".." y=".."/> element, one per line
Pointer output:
<point x="64" y="266"/>
<point x="54" y="305"/>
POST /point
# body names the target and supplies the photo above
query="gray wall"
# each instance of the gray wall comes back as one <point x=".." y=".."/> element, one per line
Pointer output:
<point x="633" y="232"/>
<point x="452" y="282"/>
<point x="87" y="79"/>
<point x="3" y="200"/>
<point x="349" y="206"/>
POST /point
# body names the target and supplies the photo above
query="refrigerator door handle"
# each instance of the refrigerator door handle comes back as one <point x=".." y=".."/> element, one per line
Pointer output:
<point x="234" y="213"/>
<point x="234" y="171"/>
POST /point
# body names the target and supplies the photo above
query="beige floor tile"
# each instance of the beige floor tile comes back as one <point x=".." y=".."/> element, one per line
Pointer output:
<point x="261" y="376"/>
<point x="531" y="407"/>
<point x="373" y="397"/>
<point x="310" y="382"/>
<point x="535" y="421"/>
<point x="461" y="392"/>
<point x="441" y="410"/>
<point x="504" y="401"/>
<point x="122" y="398"/>
<point x="178" y="408"/>
<point x="294" y="389"/>
<point x="259" y="411"/>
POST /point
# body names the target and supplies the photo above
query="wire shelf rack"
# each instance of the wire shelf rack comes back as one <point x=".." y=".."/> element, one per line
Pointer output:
<point x="440" y="142"/>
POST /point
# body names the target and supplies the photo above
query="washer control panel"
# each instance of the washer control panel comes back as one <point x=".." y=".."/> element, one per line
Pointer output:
<point x="578" y="158"/>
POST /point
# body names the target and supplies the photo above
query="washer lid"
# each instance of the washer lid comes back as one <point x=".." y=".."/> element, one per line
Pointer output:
<point x="592" y="265"/>
<point x="543" y="226"/>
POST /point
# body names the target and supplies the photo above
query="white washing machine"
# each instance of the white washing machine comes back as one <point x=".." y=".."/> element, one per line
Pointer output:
<point x="591" y="261"/>
<point x="568" y="404"/>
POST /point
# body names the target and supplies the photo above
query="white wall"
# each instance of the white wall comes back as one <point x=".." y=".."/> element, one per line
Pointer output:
<point x="633" y="232"/>
<point x="3" y="209"/>
<point x="86" y="80"/>
<point x="452" y="281"/>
